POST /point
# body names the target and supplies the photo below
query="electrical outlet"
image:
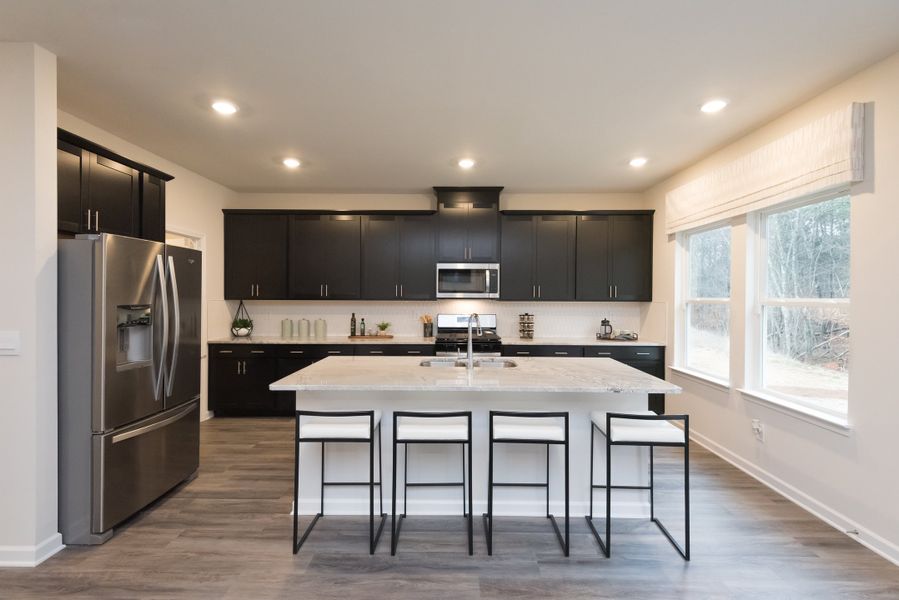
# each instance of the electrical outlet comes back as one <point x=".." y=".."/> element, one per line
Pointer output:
<point x="759" y="430"/>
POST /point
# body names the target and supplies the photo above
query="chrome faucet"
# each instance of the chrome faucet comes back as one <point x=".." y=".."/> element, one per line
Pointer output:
<point x="480" y="332"/>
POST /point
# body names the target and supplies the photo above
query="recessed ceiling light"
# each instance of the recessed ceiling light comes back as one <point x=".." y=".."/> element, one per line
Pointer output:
<point x="713" y="106"/>
<point x="223" y="107"/>
<point x="638" y="161"/>
<point x="291" y="163"/>
<point x="466" y="163"/>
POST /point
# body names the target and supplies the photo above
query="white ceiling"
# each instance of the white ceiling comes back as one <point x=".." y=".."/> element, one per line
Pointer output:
<point x="386" y="95"/>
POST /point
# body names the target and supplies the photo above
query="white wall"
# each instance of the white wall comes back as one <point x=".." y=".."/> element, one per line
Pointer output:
<point x="193" y="204"/>
<point x="848" y="480"/>
<point x="28" y="487"/>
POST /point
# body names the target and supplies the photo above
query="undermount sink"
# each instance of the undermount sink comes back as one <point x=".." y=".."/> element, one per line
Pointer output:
<point x="493" y="363"/>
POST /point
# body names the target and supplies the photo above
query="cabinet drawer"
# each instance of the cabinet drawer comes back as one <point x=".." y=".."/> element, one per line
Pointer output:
<point x="546" y="351"/>
<point x="395" y="350"/>
<point x="626" y="353"/>
<point x="240" y="350"/>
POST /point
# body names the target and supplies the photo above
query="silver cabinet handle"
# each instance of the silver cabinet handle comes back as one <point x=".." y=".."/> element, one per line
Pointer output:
<point x="603" y="354"/>
<point x="376" y="352"/>
<point x="539" y="292"/>
<point x="326" y="291"/>
<point x="561" y="353"/>
<point x="257" y="351"/>
<point x="297" y="351"/>
<point x="401" y="290"/>
<point x="96" y="220"/>
<point x="257" y="290"/>
<point x="396" y="290"/>
<point x="238" y="367"/>
<point x="642" y="353"/>
<point x="610" y="292"/>
<point x="226" y="351"/>
<point x="251" y="290"/>
<point x="534" y="292"/>
<point x="321" y="290"/>
<point x="176" y="304"/>
<point x="523" y="353"/>
<point x="334" y="351"/>
<point x="616" y="291"/>
<point x="88" y="219"/>
<point x="413" y="351"/>
<point x="244" y="367"/>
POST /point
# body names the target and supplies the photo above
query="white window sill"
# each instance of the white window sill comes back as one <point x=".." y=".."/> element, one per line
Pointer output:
<point x="709" y="380"/>
<point x="799" y="411"/>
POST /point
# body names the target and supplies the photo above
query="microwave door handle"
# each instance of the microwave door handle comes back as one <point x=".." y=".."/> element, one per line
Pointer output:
<point x="487" y="281"/>
<point x="176" y="305"/>
<point x="160" y="272"/>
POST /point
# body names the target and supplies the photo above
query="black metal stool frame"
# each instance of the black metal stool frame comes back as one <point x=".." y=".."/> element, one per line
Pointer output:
<point x="488" y="516"/>
<point x="373" y="537"/>
<point x="606" y="546"/>
<point x="466" y="508"/>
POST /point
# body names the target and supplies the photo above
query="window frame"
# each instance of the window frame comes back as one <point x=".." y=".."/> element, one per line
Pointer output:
<point x="686" y="300"/>
<point x="756" y="337"/>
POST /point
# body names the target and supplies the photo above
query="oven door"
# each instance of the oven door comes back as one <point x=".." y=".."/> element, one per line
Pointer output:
<point x="467" y="280"/>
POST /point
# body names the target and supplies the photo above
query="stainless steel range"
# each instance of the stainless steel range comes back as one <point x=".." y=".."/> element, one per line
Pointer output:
<point x="451" y="338"/>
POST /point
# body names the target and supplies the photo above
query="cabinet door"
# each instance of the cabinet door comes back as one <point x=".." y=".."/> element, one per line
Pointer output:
<point x="71" y="214"/>
<point x="285" y="402"/>
<point x="516" y="273"/>
<point x="255" y="255"/>
<point x="380" y="257"/>
<point x="631" y="257"/>
<point x="452" y="231"/>
<point x="113" y="192"/>
<point x="152" y="208"/>
<point x="483" y="232"/>
<point x="418" y="273"/>
<point x="259" y="373"/>
<point x="342" y="254"/>
<point x="592" y="282"/>
<point x="307" y="257"/>
<point x="554" y="257"/>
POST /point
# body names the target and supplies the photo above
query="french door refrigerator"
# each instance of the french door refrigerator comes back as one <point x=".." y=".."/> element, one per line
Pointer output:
<point x="129" y="378"/>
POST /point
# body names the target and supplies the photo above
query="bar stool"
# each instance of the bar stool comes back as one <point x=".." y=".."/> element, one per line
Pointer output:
<point x="507" y="427"/>
<point x="640" y="428"/>
<point x="411" y="427"/>
<point x="356" y="427"/>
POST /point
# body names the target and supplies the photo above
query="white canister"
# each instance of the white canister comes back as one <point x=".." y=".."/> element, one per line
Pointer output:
<point x="321" y="329"/>
<point x="286" y="328"/>
<point x="303" y="328"/>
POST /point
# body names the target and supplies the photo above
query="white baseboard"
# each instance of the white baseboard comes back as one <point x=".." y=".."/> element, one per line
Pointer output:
<point x="343" y="506"/>
<point x="835" y="519"/>
<point x="209" y="415"/>
<point x="30" y="556"/>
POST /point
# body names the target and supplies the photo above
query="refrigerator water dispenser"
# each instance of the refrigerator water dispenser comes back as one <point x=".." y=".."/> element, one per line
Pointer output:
<point x="134" y="325"/>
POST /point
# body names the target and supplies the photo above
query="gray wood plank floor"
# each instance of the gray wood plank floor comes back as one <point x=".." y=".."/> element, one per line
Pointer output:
<point x="227" y="535"/>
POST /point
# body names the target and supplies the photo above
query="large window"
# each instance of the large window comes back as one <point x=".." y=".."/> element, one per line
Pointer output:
<point x="804" y="304"/>
<point x="707" y="302"/>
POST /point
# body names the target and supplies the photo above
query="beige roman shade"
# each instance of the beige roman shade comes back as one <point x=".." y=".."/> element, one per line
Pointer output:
<point x="823" y="155"/>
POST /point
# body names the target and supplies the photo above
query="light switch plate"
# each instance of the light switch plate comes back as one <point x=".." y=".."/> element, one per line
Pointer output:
<point x="10" y="343"/>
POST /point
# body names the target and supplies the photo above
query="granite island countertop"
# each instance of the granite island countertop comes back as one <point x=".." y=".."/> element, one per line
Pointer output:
<point x="403" y="373"/>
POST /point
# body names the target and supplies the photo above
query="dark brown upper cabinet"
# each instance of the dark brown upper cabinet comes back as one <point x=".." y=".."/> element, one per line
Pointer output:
<point x="99" y="191"/>
<point x="538" y="257"/>
<point x="255" y="256"/>
<point x="325" y="257"/>
<point x="398" y="257"/>
<point x="468" y="225"/>
<point x="614" y="257"/>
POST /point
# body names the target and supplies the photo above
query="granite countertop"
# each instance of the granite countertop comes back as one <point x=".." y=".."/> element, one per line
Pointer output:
<point x="508" y="341"/>
<point x="331" y="339"/>
<point x="403" y="373"/>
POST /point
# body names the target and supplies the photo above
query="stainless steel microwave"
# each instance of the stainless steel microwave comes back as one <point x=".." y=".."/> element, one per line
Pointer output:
<point x="467" y="280"/>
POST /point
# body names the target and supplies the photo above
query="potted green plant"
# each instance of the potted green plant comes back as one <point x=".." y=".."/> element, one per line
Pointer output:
<point x="242" y="325"/>
<point x="382" y="327"/>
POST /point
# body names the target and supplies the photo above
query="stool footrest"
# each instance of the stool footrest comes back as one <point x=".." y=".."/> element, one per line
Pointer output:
<point x="515" y="484"/>
<point x="623" y="487"/>
<point x="435" y="483"/>
<point x="365" y="483"/>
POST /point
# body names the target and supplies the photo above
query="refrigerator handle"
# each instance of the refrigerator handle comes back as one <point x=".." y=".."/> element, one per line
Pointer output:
<point x="160" y="271"/>
<point x="176" y="304"/>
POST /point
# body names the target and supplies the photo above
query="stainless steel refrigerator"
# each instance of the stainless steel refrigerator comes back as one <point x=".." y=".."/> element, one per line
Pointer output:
<point x="129" y="378"/>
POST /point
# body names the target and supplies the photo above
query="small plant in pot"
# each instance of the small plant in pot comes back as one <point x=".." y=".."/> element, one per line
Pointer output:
<point x="382" y="327"/>
<point x="242" y="325"/>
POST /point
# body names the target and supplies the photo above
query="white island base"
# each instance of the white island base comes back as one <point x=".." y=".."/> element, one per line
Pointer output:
<point x="578" y="386"/>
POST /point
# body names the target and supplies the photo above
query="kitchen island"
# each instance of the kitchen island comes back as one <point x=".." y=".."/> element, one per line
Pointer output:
<point x="576" y="385"/>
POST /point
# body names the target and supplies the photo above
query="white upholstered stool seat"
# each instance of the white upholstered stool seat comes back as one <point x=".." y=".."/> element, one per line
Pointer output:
<point x="336" y="427"/>
<point x="551" y="429"/>
<point x="637" y="430"/>
<point x="432" y="428"/>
